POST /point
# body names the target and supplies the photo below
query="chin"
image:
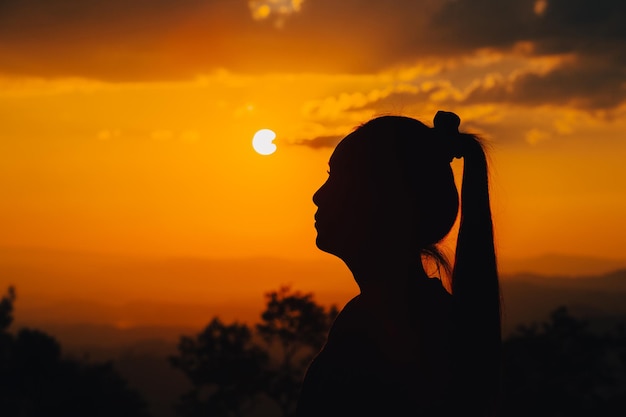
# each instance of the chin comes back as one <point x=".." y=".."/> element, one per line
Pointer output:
<point x="322" y="244"/>
<point x="328" y="247"/>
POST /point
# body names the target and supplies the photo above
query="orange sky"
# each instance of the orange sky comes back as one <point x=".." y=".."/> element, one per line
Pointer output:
<point x="127" y="129"/>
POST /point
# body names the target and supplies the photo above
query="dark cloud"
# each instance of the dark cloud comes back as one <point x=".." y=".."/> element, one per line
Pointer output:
<point x="565" y="26"/>
<point x="139" y="39"/>
<point x="401" y="101"/>
<point x="321" y="142"/>
<point x="164" y="39"/>
<point x="589" y="86"/>
<point x="585" y="86"/>
<point x="115" y="39"/>
<point x="466" y="25"/>
<point x="594" y="32"/>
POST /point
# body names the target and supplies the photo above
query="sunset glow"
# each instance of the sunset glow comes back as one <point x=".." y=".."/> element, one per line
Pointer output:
<point x="125" y="138"/>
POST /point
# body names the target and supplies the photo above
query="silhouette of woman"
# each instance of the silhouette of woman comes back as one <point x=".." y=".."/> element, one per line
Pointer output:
<point x="405" y="345"/>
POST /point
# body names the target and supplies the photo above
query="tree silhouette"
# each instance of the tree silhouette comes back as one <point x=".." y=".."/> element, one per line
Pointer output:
<point x="225" y="368"/>
<point x="296" y="326"/>
<point x="232" y="368"/>
<point x="36" y="380"/>
<point x="6" y="310"/>
<point x="561" y="368"/>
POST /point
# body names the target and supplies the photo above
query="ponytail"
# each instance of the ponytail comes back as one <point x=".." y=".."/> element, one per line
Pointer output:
<point x="475" y="283"/>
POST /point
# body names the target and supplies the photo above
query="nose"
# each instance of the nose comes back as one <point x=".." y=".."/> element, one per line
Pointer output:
<point x="318" y="194"/>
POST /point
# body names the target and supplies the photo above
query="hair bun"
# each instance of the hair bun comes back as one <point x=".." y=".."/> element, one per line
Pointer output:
<point x="447" y="126"/>
<point x="447" y="122"/>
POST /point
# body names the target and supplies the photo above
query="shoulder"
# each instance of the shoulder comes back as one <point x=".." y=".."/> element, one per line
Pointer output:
<point x="349" y="320"/>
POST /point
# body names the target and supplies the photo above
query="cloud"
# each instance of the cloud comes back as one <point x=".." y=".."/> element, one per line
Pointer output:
<point x="406" y="97"/>
<point x="139" y="40"/>
<point x="591" y="32"/>
<point x="562" y="26"/>
<point x="582" y="84"/>
<point x="155" y="39"/>
<point x="321" y="142"/>
<point x="573" y="81"/>
<point x="400" y="95"/>
<point x="534" y="136"/>
<point x="278" y="10"/>
<point x="334" y="107"/>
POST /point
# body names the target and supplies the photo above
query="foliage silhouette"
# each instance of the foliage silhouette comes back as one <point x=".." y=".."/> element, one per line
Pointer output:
<point x="298" y="326"/>
<point x="224" y="367"/>
<point x="6" y="309"/>
<point x="233" y="368"/>
<point x="561" y="368"/>
<point x="36" y="380"/>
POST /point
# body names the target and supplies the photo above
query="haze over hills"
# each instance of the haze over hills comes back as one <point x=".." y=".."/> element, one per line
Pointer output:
<point x="124" y="290"/>
<point x="561" y="265"/>
<point x="111" y="300"/>
<point x="596" y="298"/>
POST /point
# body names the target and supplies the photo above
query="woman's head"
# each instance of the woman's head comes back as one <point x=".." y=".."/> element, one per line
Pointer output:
<point x="390" y="187"/>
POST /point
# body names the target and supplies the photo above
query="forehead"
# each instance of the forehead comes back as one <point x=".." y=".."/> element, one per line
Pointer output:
<point x="366" y="154"/>
<point x="352" y="153"/>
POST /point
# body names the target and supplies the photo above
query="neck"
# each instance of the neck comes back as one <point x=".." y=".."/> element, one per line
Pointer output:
<point x="387" y="294"/>
<point x="382" y="277"/>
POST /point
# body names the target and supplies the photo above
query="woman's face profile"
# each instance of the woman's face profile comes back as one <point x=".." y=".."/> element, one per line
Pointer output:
<point x="364" y="208"/>
<point x="342" y="201"/>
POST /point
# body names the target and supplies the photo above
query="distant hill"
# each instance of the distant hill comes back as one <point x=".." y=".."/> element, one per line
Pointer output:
<point x="526" y="298"/>
<point x="596" y="298"/>
<point x="101" y="340"/>
<point x="554" y="264"/>
<point x="126" y="291"/>
<point x="93" y="299"/>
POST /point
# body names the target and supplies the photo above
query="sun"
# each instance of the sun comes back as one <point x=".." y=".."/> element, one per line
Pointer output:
<point x="262" y="142"/>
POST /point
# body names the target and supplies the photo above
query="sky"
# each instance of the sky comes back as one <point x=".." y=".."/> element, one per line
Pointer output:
<point x="126" y="126"/>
